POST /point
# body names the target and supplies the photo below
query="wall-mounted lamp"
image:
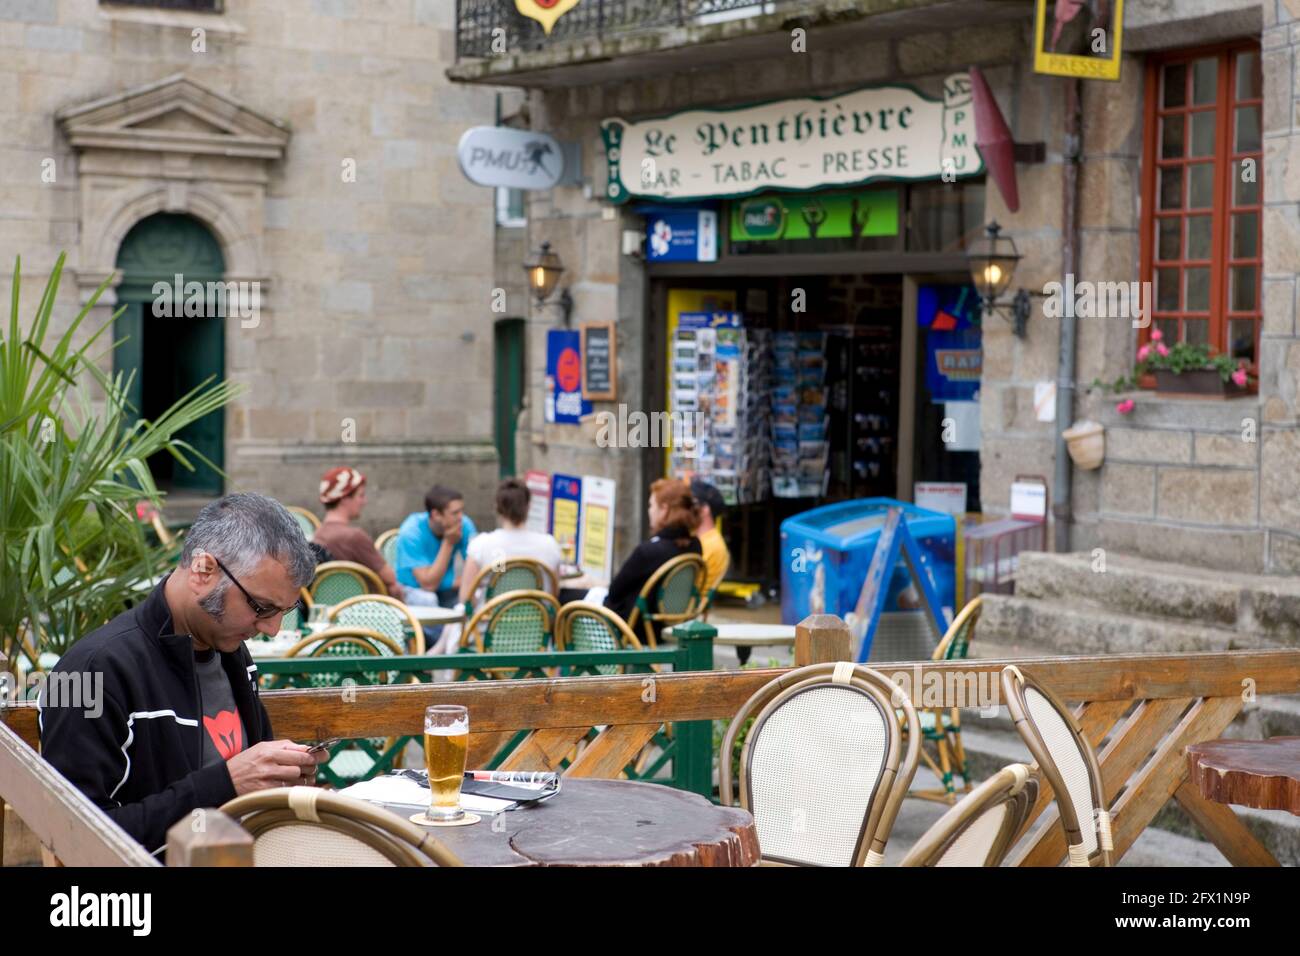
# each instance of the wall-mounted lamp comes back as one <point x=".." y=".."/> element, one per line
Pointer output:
<point x="544" y="269"/>
<point x="992" y="265"/>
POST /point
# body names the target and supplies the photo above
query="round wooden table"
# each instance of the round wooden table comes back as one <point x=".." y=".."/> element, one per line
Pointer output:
<point x="1264" y="774"/>
<point x="609" y="823"/>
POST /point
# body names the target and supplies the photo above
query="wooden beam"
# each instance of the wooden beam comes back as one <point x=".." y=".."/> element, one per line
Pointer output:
<point x="220" y="841"/>
<point x="1165" y="772"/>
<point x="1222" y="827"/>
<point x="614" y="749"/>
<point x="66" y="822"/>
<point x="545" y="749"/>
<point x="709" y="695"/>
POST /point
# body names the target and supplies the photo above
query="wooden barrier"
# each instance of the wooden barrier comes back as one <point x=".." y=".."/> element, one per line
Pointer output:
<point x="1140" y="711"/>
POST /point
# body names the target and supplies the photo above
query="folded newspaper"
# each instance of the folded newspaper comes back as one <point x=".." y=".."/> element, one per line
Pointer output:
<point x="484" y="791"/>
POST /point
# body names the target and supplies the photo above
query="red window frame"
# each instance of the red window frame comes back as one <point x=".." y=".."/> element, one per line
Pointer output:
<point x="1227" y="164"/>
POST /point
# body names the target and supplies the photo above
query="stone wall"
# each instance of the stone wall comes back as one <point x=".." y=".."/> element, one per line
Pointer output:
<point x="377" y="305"/>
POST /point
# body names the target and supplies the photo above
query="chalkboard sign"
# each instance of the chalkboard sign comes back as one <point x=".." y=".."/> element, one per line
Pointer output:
<point x="598" y="361"/>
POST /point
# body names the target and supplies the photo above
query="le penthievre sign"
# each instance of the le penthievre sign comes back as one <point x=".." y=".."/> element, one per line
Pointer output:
<point x="865" y="135"/>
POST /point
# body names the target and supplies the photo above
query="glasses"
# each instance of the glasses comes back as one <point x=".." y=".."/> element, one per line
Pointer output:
<point x="263" y="611"/>
<point x="446" y="743"/>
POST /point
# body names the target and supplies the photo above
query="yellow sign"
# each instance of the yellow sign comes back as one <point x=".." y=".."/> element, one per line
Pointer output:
<point x="593" y="538"/>
<point x="545" y="12"/>
<point x="1077" y="42"/>
<point x="564" y="526"/>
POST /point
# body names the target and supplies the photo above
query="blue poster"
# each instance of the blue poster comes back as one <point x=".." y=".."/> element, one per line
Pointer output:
<point x="953" y="354"/>
<point x="564" y="401"/>
<point x="566" y="514"/>
<point x="689" y="235"/>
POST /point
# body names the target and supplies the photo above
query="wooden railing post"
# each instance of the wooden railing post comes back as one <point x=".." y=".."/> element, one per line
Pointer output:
<point x="208" y="838"/>
<point x="694" y="770"/>
<point x="821" y="639"/>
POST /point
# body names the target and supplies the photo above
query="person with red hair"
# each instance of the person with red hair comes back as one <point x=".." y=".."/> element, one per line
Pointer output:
<point x="674" y="516"/>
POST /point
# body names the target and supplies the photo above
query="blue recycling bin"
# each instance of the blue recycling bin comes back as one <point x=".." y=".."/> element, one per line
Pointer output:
<point x="825" y="554"/>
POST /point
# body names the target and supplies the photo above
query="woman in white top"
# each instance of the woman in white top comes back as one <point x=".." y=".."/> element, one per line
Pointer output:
<point x="510" y="540"/>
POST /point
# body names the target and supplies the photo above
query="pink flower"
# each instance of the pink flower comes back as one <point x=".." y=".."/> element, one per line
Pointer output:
<point x="1125" y="406"/>
<point x="1143" y="352"/>
<point x="1161" y="350"/>
<point x="1156" y="335"/>
<point x="1239" y="378"/>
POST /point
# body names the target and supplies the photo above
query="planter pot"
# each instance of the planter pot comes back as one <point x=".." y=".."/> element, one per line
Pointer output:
<point x="1086" y="442"/>
<point x="1201" y="382"/>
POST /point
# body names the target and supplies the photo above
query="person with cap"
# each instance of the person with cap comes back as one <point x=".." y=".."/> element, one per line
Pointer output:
<point x="343" y="493"/>
<point x="711" y="506"/>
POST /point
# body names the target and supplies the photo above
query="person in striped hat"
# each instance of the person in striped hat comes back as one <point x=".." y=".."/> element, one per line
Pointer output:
<point x="343" y="493"/>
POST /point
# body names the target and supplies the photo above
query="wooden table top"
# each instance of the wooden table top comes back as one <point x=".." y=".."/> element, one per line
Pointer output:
<point x="609" y="823"/>
<point x="1264" y="774"/>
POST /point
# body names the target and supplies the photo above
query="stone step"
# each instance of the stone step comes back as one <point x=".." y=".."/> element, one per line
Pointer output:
<point x="991" y="744"/>
<point x="1253" y="604"/>
<point x="1027" y="626"/>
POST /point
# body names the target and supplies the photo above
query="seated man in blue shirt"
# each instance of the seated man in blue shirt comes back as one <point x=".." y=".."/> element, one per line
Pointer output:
<point x="427" y="544"/>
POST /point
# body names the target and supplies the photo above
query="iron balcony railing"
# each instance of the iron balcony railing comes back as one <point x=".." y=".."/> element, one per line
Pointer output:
<point x="486" y="28"/>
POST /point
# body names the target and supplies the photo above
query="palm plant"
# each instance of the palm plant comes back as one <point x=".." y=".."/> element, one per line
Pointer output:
<point x="72" y="471"/>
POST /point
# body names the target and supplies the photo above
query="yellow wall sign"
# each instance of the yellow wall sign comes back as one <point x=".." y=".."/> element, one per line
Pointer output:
<point x="1075" y="42"/>
<point x="545" y="12"/>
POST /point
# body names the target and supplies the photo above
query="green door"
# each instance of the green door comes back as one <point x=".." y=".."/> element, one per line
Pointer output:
<point x="172" y="353"/>
<point x="508" y="348"/>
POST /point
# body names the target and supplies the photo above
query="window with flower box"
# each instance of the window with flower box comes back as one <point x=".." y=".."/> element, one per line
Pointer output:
<point x="1202" y="195"/>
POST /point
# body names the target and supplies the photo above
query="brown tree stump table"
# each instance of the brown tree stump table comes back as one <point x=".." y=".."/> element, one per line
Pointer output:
<point x="1264" y="774"/>
<point x="608" y="823"/>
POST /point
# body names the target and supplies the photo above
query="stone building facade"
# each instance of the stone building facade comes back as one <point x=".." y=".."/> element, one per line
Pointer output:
<point x="315" y="140"/>
<point x="1208" y="482"/>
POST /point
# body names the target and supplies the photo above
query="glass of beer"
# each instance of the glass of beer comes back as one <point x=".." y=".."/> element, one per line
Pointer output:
<point x="446" y="742"/>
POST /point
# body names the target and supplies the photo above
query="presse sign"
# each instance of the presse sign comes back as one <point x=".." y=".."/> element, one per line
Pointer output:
<point x="870" y="134"/>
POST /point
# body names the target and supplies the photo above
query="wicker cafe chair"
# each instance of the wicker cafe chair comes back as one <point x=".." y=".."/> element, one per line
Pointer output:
<point x="824" y="768"/>
<point x="380" y="613"/>
<point x="1067" y="764"/>
<point x="980" y="830"/>
<point x="513" y="574"/>
<point x="336" y="581"/>
<point x="581" y="626"/>
<point x="386" y="545"/>
<point x="350" y="761"/>
<point x="306" y="520"/>
<point x="676" y="592"/>
<point x="517" y="622"/>
<point x="942" y="728"/>
<point x="305" y="826"/>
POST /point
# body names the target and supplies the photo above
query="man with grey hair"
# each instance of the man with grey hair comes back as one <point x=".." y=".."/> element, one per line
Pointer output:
<point x="182" y="726"/>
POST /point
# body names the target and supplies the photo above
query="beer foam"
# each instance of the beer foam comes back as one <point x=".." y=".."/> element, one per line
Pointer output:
<point x="455" y="730"/>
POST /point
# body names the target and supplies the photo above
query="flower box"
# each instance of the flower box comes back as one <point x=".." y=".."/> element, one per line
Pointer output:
<point x="1201" y="382"/>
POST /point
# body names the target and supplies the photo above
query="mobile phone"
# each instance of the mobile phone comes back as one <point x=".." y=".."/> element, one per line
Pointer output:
<point x="323" y="745"/>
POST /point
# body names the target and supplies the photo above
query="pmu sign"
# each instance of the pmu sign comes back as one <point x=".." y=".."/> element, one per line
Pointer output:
<point x="515" y="158"/>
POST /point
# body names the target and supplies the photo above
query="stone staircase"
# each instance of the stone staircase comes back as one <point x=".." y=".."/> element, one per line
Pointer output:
<point x="1063" y="606"/>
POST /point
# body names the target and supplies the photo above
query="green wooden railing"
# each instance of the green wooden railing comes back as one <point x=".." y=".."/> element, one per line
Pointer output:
<point x="680" y="756"/>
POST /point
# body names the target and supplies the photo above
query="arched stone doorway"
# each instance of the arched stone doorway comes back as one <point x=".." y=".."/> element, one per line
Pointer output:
<point x="172" y="336"/>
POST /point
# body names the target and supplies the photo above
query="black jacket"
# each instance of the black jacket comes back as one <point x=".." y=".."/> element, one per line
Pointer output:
<point x="141" y="759"/>
<point x="648" y="558"/>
